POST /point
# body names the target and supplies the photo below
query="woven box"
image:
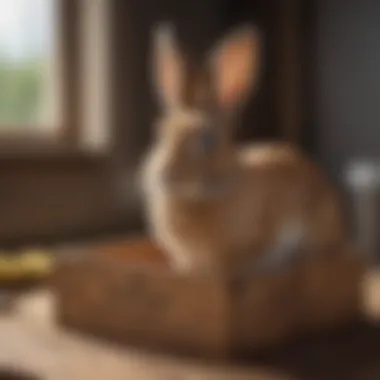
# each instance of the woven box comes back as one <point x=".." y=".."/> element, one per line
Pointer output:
<point x="125" y="291"/>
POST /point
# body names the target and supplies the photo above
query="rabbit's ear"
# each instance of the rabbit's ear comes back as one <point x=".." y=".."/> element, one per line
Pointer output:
<point x="235" y="65"/>
<point x="168" y="65"/>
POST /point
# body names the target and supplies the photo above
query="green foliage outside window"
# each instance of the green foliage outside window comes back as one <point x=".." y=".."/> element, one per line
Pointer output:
<point x="21" y="90"/>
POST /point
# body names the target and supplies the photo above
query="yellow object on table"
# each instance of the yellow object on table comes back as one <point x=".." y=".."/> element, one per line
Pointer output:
<point x="9" y="268"/>
<point x="28" y="264"/>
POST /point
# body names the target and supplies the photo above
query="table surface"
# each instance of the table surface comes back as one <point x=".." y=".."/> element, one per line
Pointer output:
<point x="30" y="340"/>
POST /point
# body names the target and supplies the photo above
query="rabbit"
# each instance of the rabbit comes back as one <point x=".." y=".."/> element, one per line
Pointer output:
<point x="215" y="207"/>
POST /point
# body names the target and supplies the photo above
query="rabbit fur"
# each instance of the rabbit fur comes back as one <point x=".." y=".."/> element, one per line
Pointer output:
<point x="215" y="207"/>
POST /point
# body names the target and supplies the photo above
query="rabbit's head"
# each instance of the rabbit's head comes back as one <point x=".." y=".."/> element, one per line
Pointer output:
<point x="198" y="101"/>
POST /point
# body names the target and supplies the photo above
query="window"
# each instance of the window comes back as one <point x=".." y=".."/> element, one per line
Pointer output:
<point x="95" y="74"/>
<point x="29" y="72"/>
<point x="54" y="74"/>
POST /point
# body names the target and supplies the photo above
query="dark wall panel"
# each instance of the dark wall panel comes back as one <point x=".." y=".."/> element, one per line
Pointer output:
<point x="347" y="81"/>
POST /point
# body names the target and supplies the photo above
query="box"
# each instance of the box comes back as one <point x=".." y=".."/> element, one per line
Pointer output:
<point x="125" y="291"/>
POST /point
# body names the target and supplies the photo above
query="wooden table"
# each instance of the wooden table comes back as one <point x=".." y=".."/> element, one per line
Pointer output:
<point x="30" y="340"/>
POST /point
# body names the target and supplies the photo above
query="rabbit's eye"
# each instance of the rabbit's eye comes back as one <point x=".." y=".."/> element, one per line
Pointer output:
<point x="205" y="141"/>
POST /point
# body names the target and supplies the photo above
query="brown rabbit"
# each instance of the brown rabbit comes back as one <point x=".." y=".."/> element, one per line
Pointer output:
<point x="214" y="206"/>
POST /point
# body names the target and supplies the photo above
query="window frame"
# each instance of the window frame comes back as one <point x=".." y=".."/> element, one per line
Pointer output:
<point x="66" y="141"/>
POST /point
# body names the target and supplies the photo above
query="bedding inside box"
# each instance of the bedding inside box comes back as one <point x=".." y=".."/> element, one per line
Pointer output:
<point x="135" y="250"/>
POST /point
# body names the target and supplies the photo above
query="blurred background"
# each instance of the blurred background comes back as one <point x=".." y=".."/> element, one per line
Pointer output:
<point x="76" y="104"/>
<point x="76" y="113"/>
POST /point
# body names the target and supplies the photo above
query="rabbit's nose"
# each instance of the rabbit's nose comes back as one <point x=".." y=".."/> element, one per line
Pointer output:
<point x="208" y="141"/>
